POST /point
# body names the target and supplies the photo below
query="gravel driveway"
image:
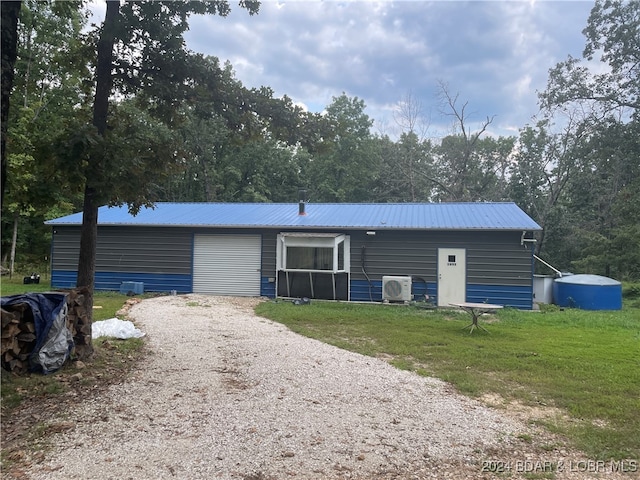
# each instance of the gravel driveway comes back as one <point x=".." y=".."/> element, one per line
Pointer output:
<point x="226" y="394"/>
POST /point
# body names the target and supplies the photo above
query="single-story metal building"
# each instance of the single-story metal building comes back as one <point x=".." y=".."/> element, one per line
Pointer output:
<point x="452" y="252"/>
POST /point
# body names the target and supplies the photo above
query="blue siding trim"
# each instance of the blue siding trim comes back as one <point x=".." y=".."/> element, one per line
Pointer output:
<point x="63" y="279"/>
<point x="267" y="288"/>
<point x="362" y="292"/>
<point x="153" y="282"/>
<point x="508" y="295"/>
<point x="419" y="289"/>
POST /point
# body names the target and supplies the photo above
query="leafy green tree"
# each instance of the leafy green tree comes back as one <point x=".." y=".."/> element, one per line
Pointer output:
<point x="406" y="169"/>
<point x="46" y="87"/>
<point x="544" y="164"/>
<point x="261" y="171"/>
<point x="140" y="55"/>
<point x="239" y="144"/>
<point x="612" y="31"/>
<point x="10" y="12"/>
<point x="205" y="142"/>
<point x="470" y="167"/>
<point x="406" y="165"/>
<point x="496" y="156"/>
<point x="220" y="167"/>
<point x="343" y="166"/>
<point x="598" y="110"/>
<point x="602" y="197"/>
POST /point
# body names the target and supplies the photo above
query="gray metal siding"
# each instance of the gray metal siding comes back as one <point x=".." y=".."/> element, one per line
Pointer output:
<point x="65" y="247"/>
<point x="269" y="239"/>
<point x="144" y="250"/>
<point x="493" y="258"/>
<point x="128" y="249"/>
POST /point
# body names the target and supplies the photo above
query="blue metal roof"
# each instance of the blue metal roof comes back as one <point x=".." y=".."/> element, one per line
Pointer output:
<point x="365" y="216"/>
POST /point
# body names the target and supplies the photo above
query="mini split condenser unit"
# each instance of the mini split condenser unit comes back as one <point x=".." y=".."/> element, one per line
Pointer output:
<point x="396" y="289"/>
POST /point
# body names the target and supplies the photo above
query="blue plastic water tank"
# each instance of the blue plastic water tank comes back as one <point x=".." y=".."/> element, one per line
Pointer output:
<point x="588" y="292"/>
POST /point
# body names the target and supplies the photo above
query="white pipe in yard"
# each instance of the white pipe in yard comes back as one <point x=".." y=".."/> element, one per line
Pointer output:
<point x="545" y="263"/>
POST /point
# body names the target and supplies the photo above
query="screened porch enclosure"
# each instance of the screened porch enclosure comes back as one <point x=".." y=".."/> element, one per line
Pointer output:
<point x="313" y="265"/>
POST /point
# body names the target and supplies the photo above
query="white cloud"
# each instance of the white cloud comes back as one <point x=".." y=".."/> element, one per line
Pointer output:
<point x="496" y="55"/>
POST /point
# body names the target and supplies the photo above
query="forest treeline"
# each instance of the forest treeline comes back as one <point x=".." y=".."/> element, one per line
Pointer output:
<point x="180" y="127"/>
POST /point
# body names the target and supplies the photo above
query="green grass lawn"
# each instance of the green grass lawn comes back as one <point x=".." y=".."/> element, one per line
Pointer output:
<point x="14" y="286"/>
<point x="585" y="363"/>
<point x="106" y="304"/>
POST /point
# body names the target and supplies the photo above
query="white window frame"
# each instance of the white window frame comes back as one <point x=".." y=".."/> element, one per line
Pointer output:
<point x="314" y="240"/>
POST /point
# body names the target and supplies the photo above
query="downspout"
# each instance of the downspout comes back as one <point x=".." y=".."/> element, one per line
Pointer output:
<point x="524" y="240"/>
<point x="363" y="259"/>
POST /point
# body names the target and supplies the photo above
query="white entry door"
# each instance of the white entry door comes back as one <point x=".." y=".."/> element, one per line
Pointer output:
<point x="452" y="276"/>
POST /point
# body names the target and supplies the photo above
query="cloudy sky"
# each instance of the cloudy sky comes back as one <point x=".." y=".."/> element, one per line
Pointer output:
<point x="494" y="55"/>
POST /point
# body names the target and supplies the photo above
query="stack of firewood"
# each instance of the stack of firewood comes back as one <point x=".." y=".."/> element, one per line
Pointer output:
<point x="19" y="333"/>
<point x="78" y="322"/>
<point x="18" y="338"/>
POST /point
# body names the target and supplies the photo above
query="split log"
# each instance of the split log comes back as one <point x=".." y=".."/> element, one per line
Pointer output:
<point x="18" y="338"/>
<point x="78" y="323"/>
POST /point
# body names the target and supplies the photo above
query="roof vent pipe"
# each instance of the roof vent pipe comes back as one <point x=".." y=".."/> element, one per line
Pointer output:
<point x="302" y="194"/>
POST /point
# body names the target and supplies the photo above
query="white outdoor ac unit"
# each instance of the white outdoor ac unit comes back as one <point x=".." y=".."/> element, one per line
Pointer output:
<point x="396" y="289"/>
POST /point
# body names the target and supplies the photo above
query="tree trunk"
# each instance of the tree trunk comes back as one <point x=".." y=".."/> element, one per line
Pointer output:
<point x="87" y="266"/>
<point x="104" y="66"/>
<point x="89" y="229"/>
<point x="14" y="241"/>
<point x="10" y="14"/>
<point x="88" y="243"/>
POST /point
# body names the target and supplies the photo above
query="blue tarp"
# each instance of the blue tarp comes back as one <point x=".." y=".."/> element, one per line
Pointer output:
<point x="54" y="341"/>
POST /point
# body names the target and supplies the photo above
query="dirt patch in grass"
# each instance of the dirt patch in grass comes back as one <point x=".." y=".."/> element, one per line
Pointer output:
<point x="524" y="412"/>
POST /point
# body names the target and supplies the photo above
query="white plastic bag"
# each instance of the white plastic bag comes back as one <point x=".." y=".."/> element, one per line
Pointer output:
<point x="114" y="327"/>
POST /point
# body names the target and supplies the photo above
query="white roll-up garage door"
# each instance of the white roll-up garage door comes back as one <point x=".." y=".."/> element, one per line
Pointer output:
<point x="227" y="265"/>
